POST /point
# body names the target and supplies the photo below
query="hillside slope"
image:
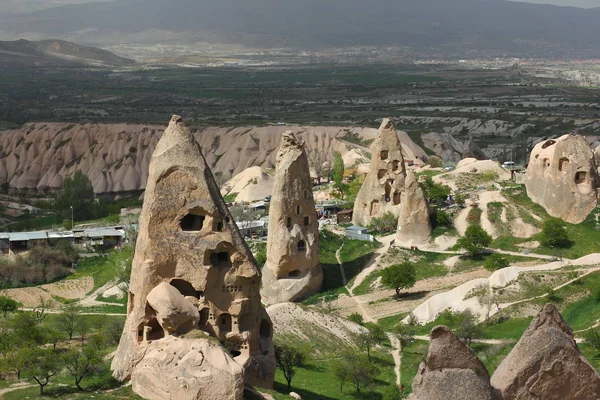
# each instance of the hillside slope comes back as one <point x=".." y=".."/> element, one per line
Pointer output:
<point x="462" y="25"/>
<point x="115" y="156"/>
<point x="56" y="53"/>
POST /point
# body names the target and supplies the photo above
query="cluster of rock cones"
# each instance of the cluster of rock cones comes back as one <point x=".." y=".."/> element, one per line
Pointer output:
<point x="545" y="364"/>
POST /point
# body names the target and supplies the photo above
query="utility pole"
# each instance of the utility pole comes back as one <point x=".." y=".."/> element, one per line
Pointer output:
<point x="72" y="221"/>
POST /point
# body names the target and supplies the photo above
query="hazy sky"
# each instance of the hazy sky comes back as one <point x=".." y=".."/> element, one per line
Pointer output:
<point x="574" y="3"/>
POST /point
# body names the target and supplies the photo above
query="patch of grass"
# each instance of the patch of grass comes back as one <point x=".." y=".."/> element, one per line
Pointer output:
<point x="102" y="269"/>
<point x="412" y="356"/>
<point x="230" y="198"/>
<point x="388" y="323"/>
<point x="474" y="216"/>
<point x="502" y="327"/>
<point x="492" y="354"/>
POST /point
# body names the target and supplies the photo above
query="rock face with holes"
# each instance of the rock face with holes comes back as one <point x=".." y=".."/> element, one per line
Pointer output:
<point x="546" y="364"/>
<point x="450" y="371"/>
<point x="563" y="178"/>
<point x="389" y="187"/>
<point x="292" y="271"/>
<point x="195" y="325"/>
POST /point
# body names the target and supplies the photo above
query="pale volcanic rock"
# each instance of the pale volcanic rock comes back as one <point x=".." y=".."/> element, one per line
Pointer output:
<point x="562" y="177"/>
<point x="450" y="371"/>
<point x="188" y="239"/>
<point x="388" y="188"/>
<point x="546" y="364"/>
<point x="116" y="156"/>
<point x="292" y="270"/>
<point x="174" y="313"/>
<point x="250" y="185"/>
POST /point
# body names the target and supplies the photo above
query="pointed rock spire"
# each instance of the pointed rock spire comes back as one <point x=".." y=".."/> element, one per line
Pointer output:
<point x="292" y="271"/>
<point x="188" y="241"/>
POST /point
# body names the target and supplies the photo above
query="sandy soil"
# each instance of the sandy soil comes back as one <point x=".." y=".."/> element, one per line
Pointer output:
<point x="67" y="289"/>
<point x="252" y="184"/>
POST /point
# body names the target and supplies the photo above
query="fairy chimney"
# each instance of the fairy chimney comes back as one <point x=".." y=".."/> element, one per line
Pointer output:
<point x="292" y="271"/>
<point x="195" y="325"/>
<point x="562" y="177"/>
<point x="389" y="187"/>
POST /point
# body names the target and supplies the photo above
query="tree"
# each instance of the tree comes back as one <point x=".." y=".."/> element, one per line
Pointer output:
<point x="320" y="162"/>
<point x="495" y="262"/>
<point x="113" y="330"/>
<point x="591" y="337"/>
<point x="338" y="168"/>
<point x="68" y="318"/>
<point x="26" y="330"/>
<point x="77" y="192"/>
<point x="82" y="362"/>
<point x="436" y="193"/>
<point x="554" y="234"/>
<point x="467" y="326"/>
<point x="356" y="368"/>
<point x="474" y="240"/>
<point x="387" y="223"/>
<point x="82" y="327"/>
<point x="373" y="336"/>
<point x="435" y="161"/>
<point x="399" y="276"/>
<point x="356" y="317"/>
<point x="41" y="365"/>
<point x="288" y="359"/>
<point x="405" y="334"/>
<point x="7" y="305"/>
<point x="40" y="310"/>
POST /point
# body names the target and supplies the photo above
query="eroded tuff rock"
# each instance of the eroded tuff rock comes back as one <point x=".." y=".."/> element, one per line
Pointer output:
<point x="546" y="364"/>
<point x="388" y="187"/>
<point x="562" y="177"/>
<point x="450" y="371"/>
<point x="292" y="271"/>
<point x="188" y="240"/>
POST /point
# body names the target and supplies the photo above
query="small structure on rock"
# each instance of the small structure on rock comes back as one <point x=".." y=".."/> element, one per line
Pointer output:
<point x="389" y="187"/>
<point x="545" y="364"/>
<point x="563" y="178"/>
<point x="195" y="325"/>
<point x="292" y="271"/>
<point x="450" y="371"/>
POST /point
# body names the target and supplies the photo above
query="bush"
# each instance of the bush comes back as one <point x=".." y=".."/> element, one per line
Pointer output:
<point x="440" y="218"/>
<point x="435" y="161"/>
<point x="496" y="262"/>
<point x="356" y="317"/>
<point x="475" y="239"/>
<point x="436" y="193"/>
<point x="387" y="223"/>
<point x="554" y="234"/>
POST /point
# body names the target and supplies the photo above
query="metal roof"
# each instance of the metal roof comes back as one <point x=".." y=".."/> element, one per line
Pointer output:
<point x="102" y="232"/>
<point x="356" y="228"/>
<point x="26" y="236"/>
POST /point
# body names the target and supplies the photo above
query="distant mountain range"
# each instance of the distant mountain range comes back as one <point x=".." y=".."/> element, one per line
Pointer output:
<point x="56" y="53"/>
<point x="460" y="27"/>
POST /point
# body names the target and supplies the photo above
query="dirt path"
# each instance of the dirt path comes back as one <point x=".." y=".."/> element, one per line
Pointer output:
<point x="90" y="299"/>
<point x="341" y="264"/>
<point x="16" y="386"/>
<point x="397" y="355"/>
<point x="373" y="263"/>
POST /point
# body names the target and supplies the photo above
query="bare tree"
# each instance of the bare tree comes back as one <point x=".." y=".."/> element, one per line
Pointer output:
<point x="40" y="310"/>
<point x="320" y="160"/>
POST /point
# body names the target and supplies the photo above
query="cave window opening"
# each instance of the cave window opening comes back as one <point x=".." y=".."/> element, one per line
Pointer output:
<point x="384" y="154"/>
<point x="395" y="165"/>
<point x="220" y="226"/>
<point x="375" y="207"/>
<point x="306" y="195"/>
<point x="220" y="259"/>
<point x="288" y="222"/>
<point x="225" y="323"/>
<point x="306" y="221"/>
<point x="381" y="173"/>
<point x="294" y="274"/>
<point x="204" y="314"/>
<point x="298" y="210"/>
<point x="192" y="223"/>
<point x="580" y="177"/>
<point x="185" y="288"/>
<point x="563" y="164"/>
<point x="396" y="198"/>
<point x="388" y="190"/>
<point x="301" y="246"/>
<point x="548" y="144"/>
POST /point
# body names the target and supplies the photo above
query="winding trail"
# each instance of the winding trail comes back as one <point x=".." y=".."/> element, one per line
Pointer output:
<point x="16" y="386"/>
<point x="373" y="263"/>
<point x="397" y="355"/>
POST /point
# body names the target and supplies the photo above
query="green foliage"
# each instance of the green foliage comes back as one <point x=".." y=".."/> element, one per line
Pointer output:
<point x="591" y="337"/>
<point x="399" y="276"/>
<point x="356" y="369"/>
<point x="69" y="319"/>
<point x="436" y="193"/>
<point x="356" y="317"/>
<point x="393" y="392"/>
<point x="7" y="305"/>
<point x="553" y="296"/>
<point x="338" y="168"/>
<point x="77" y="192"/>
<point x="40" y="365"/>
<point x="230" y="197"/>
<point x="495" y="262"/>
<point x="81" y="363"/>
<point x="474" y="240"/>
<point x="260" y="253"/>
<point x="435" y="161"/>
<point x="554" y="234"/>
<point x="373" y="336"/>
<point x="387" y="223"/>
<point x="440" y="218"/>
<point x="288" y="358"/>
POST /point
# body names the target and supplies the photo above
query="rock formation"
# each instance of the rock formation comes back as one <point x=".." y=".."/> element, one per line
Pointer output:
<point x="450" y="371"/>
<point x="562" y="177"/>
<point x="292" y="271"/>
<point x="38" y="156"/>
<point x="195" y="326"/>
<point x="546" y="364"/>
<point x="389" y="187"/>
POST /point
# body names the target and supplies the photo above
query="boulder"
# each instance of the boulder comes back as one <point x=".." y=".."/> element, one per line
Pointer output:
<point x="546" y="364"/>
<point x="187" y="369"/>
<point x="174" y="313"/>
<point x="388" y="188"/>
<point x="292" y="270"/>
<point x="562" y="177"/>
<point x="450" y="371"/>
<point x="188" y="240"/>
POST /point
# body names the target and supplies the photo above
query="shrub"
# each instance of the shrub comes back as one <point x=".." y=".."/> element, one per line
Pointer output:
<point x="356" y="317"/>
<point x="495" y="262"/>
<point x="475" y="239"/>
<point x="387" y="223"/>
<point x="554" y="234"/>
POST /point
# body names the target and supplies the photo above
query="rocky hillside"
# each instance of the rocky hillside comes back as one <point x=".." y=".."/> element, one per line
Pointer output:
<point x="56" y="53"/>
<point x="115" y="157"/>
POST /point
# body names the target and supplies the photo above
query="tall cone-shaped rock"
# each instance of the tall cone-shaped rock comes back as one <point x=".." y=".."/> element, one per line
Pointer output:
<point x="546" y="364"/>
<point x="450" y="371"/>
<point x="388" y="187"/>
<point x="562" y="177"/>
<point x="292" y="271"/>
<point x="193" y="279"/>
